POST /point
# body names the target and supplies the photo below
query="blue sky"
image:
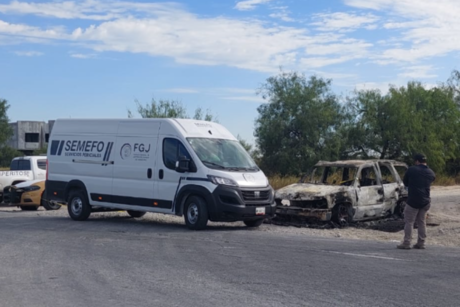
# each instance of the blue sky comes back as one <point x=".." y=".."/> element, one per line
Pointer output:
<point x="93" y="58"/>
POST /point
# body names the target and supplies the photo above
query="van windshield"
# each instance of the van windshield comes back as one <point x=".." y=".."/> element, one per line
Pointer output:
<point x="223" y="154"/>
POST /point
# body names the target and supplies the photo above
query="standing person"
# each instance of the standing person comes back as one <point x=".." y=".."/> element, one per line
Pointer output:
<point x="417" y="179"/>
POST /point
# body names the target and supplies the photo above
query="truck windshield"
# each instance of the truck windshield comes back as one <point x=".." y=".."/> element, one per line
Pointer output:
<point x="333" y="175"/>
<point x="223" y="154"/>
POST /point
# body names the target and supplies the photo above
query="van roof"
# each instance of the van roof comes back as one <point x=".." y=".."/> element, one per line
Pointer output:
<point x="186" y="127"/>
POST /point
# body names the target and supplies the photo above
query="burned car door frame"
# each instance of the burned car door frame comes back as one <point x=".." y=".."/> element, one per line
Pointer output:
<point x="369" y="192"/>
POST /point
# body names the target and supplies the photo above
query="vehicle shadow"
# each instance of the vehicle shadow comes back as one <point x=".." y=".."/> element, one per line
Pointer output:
<point x="154" y="221"/>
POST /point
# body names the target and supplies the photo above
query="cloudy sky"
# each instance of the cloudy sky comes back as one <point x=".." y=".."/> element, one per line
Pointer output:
<point x="94" y="58"/>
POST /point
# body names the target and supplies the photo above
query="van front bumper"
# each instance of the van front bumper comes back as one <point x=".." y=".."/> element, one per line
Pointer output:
<point x="241" y="204"/>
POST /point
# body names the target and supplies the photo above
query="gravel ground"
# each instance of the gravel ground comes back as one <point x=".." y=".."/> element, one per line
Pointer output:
<point x="445" y="213"/>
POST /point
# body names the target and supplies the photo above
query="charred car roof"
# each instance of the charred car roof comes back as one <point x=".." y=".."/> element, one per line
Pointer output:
<point x="357" y="163"/>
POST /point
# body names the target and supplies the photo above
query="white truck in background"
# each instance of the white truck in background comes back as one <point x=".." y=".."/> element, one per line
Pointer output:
<point x="23" y="169"/>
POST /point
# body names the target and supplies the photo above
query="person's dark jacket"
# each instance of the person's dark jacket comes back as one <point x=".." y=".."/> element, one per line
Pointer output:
<point x="418" y="179"/>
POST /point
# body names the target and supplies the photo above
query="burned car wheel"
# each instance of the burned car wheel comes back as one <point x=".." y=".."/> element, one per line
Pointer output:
<point x="399" y="209"/>
<point x="342" y="214"/>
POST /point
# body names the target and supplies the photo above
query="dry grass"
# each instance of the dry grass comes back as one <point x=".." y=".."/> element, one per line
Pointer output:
<point x="277" y="182"/>
<point x="443" y="180"/>
<point x="4" y="169"/>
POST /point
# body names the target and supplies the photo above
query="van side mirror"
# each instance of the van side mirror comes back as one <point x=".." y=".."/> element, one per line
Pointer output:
<point x="183" y="165"/>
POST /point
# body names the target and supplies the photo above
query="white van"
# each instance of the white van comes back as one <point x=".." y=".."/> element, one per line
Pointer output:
<point x="174" y="166"/>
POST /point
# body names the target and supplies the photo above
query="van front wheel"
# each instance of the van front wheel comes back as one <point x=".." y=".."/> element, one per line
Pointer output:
<point x="78" y="206"/>
<point x="196" y="213"/>
<point x="253" y="223"/>
<point x="133" y="213"/>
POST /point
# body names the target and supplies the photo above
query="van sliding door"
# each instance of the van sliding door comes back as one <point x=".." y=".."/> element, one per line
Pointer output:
<point x="135" y="149"/>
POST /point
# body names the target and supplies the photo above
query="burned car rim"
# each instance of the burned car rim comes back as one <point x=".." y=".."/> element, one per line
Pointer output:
<point x="342" y="214"/>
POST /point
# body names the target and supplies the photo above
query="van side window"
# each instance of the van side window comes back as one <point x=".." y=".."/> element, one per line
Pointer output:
<point x="172" y="150"/>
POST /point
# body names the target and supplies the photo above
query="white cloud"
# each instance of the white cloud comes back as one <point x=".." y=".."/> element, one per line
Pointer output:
<point x="383" y="87"/>
<point x="344" y="21"/>
<point x="245" y="98"/>
<point x="29" y="33"/>
<point x="185" y="37"/>
<point x="417" y="72"/>
<point x="182" y="90"/>
<point x="83" y="56"/>
<point x="427" y="28"/>
<point x="282" y="13"/>
<point x="188" y="38"/>
<point x="28" y="53"/>
<point x="248" y="5"/>
<point x="88" y="9"/>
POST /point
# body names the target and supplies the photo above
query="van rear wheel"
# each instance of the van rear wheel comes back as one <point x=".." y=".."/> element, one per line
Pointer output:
<point x="78" y="206"/>
<point x="133" y="213"/>
<point x="196" y="213"/>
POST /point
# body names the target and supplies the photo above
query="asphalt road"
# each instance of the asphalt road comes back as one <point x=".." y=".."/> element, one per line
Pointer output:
<point x="50" y="260"/>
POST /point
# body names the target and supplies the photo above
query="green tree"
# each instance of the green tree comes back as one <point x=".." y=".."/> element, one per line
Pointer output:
<point x="6" y="152"/>
<point x="169" y="109"/>
<point x="5" y="130"/>
<point x="407" y="120"/>
<point x="41" y="151"/>
<point x="300" y="124"/>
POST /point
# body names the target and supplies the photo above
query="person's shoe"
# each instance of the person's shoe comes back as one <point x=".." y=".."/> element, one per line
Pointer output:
<point x="403" y="246"/>
<point x="419" y="246"/>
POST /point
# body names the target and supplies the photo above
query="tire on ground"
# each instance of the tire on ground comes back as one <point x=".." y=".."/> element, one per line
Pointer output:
<point x="133" y="213"/>
<point x="399" y="209"/>
<point x="196" y="213"/>
<point x="29" y="208"/>
<point x="342" y="214"/>
<point x="78" y="206"/>
<point x="49" y="205"/>
<point x="253" y="223"/>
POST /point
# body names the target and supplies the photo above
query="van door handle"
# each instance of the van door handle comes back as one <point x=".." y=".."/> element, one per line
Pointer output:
<point x="149" y="173"/>
<point x="161" y="174"/>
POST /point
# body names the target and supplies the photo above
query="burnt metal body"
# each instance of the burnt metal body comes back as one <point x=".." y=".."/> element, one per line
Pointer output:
<point x="359" y="196"/>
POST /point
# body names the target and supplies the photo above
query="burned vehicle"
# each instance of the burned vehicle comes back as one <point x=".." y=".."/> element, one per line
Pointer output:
<point x="346" y="191"/>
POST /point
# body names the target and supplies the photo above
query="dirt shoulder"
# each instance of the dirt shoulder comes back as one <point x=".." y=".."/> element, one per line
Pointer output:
<point x="445" y="211"/>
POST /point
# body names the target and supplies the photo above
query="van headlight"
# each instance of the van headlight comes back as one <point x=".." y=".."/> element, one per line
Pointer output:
<point x="222" y="180"/>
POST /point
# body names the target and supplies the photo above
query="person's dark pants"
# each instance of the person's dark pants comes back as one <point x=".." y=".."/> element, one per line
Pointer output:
<point x="411" y="216"/>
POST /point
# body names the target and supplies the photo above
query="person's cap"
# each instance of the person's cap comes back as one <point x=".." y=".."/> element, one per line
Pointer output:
<point x="420" y="158"/>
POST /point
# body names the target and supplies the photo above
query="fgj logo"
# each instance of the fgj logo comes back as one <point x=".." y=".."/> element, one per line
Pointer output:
<point x="141" y="148"/>
<point x="125" y="151"/>
<point x="136" y="151"/>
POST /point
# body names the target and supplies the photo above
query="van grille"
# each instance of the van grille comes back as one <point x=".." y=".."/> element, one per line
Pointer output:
<point x="256" y="195"/>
